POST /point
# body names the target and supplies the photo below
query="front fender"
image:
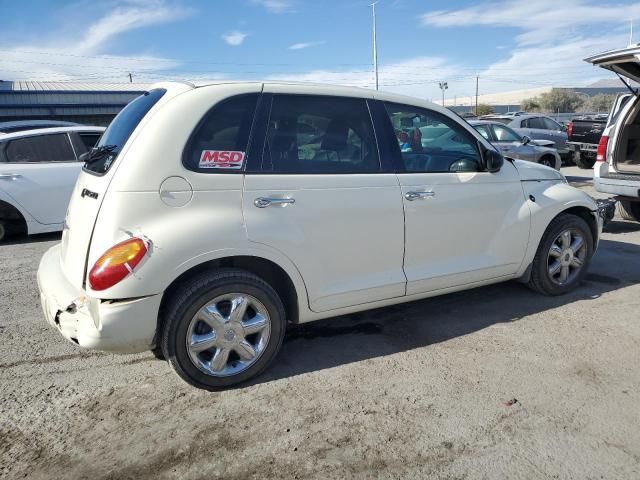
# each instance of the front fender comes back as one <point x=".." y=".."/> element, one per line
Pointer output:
<point x="547" y="200"/>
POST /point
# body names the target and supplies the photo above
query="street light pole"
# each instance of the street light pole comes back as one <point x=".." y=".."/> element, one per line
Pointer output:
<point x="443" y="87"/>
<point x="375" y="44"/>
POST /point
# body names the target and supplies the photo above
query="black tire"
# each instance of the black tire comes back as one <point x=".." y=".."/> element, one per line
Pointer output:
<point x="541" y="280"/>
<point x="629" y="210"/>
<point x="584" y="163"/>
<point x="548" y="160"/>
<point x="191" y="297"/>
<point x="3" y="230"/>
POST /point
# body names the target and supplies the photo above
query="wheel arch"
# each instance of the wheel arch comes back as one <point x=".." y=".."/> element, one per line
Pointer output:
<point x="10" y="212"/>
<point x="268" y="270"/>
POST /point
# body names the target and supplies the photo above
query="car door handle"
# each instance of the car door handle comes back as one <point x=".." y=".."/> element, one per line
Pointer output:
<point x="411" y="196"/>
<point x="264" y="202"/>
<point x="9" y="176"/>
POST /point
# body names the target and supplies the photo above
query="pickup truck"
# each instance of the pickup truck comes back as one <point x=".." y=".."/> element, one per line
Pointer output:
<point x="584" y="135"/>
<point x="617" y="167"/>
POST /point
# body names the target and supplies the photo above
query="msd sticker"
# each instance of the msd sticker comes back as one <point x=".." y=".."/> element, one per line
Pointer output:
<point x="221" y="159"/>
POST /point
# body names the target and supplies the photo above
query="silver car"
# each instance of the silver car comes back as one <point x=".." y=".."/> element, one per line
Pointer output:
<point x="513" y="145"/>
<point x="536" y="127"/>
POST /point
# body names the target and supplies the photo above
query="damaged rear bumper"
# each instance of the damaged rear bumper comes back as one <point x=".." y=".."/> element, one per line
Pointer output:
<point x="123" y="326"/>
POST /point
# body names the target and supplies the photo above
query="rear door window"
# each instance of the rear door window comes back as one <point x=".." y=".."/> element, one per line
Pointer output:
<point x="310" y="134"/>
<point x="121" y="128"/>
<point x="40" y="149"/>
<point x="219" y="142"/>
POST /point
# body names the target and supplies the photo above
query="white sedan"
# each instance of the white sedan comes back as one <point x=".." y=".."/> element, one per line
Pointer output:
<point x="38" y="169"/>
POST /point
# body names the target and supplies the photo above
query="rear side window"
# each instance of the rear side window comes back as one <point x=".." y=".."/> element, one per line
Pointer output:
<point x="219" y="142"/>
<point x="121" y="128"/>
<point x="40" y="149"/>
<point x="320" y="134"/>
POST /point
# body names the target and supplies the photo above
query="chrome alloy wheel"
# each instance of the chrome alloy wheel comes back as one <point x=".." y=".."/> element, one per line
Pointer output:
<point x="228" y="334"/>
<point x="566" y="257"/>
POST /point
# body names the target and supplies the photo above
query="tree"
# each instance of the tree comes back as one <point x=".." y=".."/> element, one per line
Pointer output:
<point x="531" y="104"/>
<point x="560" y="100"/>
<point x="484" y="109"/>
<point x="600" y="103"/>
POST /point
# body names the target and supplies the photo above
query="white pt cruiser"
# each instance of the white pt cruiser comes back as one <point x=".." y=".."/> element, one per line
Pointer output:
<point x="209" y="217"/>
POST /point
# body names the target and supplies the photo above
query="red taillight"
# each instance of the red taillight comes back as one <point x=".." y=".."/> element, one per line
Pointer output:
<point x="116" y="263"/>
<point x="569" y="130"/>
<point x="602" y="149"/>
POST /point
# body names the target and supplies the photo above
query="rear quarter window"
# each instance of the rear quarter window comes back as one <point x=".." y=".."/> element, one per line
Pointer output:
<point x="219" y="141"/>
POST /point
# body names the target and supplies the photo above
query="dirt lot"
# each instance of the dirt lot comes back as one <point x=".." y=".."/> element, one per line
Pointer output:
<point x="492" y="383"/>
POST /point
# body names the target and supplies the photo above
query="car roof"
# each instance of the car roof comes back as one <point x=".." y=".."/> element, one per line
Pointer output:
<point x="281" y="86"/>
<point x="35" y="123"/>
<point x="49" y="131"/>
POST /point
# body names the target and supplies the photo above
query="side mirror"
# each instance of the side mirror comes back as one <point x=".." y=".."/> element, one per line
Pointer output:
<point x="526" y="140"/>
<point x="493" y="161"/>
<point x="564" y="128"/>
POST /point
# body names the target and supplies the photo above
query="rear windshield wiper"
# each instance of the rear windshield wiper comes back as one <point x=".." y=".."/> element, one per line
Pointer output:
<point x="97" y="153"/>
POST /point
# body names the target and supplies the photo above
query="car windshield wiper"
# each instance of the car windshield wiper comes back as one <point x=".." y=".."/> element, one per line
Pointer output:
<point x="97" y="153"/>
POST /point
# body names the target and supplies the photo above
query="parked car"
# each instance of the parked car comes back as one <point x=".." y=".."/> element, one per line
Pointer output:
<point x="38" y="169"/>
<point x="20" y="125"/>
<point x="202" y="238"/>
<point x="584" y="134"/>
<point x="617" y="166"/>
<point x="513" y="145"/>
<point x="536" y="127"/>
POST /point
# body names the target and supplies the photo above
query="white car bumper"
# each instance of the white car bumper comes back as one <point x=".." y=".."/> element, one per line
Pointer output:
<point x="123" y="326"/>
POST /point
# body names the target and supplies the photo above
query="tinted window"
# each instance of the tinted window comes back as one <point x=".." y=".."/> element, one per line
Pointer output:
<point x="505" y="134"/>
<point x="313" y="134"/>
<point x="550" y="124"/>
<point x="431" y="142"/>
<point x="42" y="148"/>
<point x="535" y="123"/>
<point x="121" y="128"/>
<point x="220" y="140"/>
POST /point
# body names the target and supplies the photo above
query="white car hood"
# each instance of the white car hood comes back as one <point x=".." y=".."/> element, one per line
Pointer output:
<point x="534" y="171"/>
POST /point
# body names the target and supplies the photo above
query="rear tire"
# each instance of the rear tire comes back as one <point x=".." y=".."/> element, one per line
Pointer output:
<point x="629" y="210"/>
<point x="584" y="163"/>
<point x="3" y="230"/>
<point x="222" y="328"/>
<point x="562" y="261"/>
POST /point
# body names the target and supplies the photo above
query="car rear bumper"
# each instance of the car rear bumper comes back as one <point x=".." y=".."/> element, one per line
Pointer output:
<point x="124" y="326"/>
<point x="623" y="185"/>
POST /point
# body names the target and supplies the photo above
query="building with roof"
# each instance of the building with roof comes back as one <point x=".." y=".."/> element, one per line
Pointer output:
<point x="87" y="103"/>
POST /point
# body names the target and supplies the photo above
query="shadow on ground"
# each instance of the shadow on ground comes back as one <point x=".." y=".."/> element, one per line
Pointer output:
<point x="385" y="331"/>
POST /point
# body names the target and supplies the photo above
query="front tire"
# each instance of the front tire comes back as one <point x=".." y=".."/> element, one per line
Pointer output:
<point x="629" y="210"/>
<point x="3" y="230"/>
<point x="222" y="328"/>
<point x="563" y="256"/>
<point x="548" y="161"/>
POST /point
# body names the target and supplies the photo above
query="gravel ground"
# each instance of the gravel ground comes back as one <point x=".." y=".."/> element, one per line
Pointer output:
<point x="496" y="382"/>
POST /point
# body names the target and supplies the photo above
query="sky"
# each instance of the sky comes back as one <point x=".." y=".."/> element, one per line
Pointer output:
<point x="509" y="45"/>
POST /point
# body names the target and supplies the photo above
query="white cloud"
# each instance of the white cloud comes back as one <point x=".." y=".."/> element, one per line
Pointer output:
<point x="302" y="45"/>
<point x="234" y="38"/>
<point x="275" y="6"/>
<point x="78" y="54"/>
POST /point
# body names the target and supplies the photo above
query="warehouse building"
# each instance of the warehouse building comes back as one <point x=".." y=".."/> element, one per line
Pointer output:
<point x="86" y="103"/>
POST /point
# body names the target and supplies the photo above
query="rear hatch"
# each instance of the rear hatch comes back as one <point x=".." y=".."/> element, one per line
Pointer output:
<point x="104" y="160"/>
<point x="626" y="63"/>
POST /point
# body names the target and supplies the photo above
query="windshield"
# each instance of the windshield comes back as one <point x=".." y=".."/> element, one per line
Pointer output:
<point x="121" y="128"/>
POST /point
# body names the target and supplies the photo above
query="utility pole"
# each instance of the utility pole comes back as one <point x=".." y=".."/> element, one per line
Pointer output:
<point x="476" y="95"/>
<point x="375" y="44"/>
<point x="443" y="87"/>
<point x="130" y="78"/>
